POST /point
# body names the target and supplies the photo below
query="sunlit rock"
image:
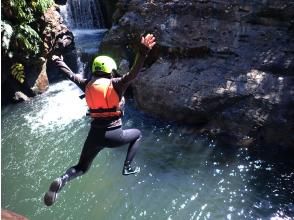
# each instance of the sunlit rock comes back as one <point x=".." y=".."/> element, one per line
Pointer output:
<point x="224" y="66"/>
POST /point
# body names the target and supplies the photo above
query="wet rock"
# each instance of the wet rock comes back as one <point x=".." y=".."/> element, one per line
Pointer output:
<point x="60" y="2"/>
<point x="42" y="83"/>
<point x="20" y="96"/>
<point x="123" y="67"/>
<point x="108" y="8"/>
<point x="225" y="66"/>
<point x="56" y="36"/>
<point x="56" y="39"/>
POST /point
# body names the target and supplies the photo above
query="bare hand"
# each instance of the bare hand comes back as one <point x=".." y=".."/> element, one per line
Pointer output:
<point x="55" y="57"/>
<point x="148" y="41"/>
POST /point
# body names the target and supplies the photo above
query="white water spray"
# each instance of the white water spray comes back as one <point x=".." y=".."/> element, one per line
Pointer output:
<point x="83" y="14"/>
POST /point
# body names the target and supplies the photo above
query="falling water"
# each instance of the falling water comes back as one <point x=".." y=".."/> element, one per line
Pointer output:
<point x="83" y="14"/>
<point x="85" y="19"/>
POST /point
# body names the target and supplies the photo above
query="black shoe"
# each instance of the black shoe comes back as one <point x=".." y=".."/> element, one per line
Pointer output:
<point x="51" y="196"/>
<point x="127" y="170"/>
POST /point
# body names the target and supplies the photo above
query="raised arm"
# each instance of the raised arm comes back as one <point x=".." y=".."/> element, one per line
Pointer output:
<point x="64" y="69"/>
<point x="147" y="43"/>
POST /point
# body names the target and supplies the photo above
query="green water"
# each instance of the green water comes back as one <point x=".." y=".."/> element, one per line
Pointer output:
<point x="183" y="176"/>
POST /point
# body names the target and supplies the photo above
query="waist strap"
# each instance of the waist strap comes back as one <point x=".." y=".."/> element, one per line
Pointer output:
<point x="103" y="110"/>
<point x="105" y="113"/>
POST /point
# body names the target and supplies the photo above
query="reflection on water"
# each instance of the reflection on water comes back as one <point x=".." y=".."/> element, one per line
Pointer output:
<point x="183" y="176"/>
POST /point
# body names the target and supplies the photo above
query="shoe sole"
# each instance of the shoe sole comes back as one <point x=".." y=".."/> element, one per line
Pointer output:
<point x="137" y="170"/>
<point x="51" y="196"/>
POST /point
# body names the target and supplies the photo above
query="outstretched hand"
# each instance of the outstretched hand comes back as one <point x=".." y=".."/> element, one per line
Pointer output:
<point x="148" y="41"/>
<point x="55" y="57"/>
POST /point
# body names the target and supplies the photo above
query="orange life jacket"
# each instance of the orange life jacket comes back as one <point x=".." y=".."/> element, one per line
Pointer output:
<point x="102" y="99"/>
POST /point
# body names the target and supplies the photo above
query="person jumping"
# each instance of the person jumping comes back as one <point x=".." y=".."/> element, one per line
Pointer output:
<point x="104" y="97"/>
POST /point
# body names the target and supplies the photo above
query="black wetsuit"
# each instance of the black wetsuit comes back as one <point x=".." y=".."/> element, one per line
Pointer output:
<point x="105" y="132"/>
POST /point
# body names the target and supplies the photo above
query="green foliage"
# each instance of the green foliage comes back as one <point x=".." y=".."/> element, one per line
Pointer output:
<point x="25" y="12"/>
<point x="27" y="40"/>
<point x="19" y="32"/>
<point x="41" y="5"/>
<point x="17" y="71"/>
<point x="21" y="11"/>
<point x="21" y="38"/>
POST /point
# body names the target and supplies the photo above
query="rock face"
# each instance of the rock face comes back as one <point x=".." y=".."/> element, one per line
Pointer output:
<point x="57" y="38"/>
<point x="227" y="67"/>
<point x="108" y="7"/>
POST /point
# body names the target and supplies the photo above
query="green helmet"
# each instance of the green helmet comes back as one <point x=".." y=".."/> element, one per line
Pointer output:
<point x="103" y="63"/>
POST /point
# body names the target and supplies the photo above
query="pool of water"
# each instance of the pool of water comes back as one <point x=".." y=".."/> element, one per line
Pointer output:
<point x="183" y="175"/>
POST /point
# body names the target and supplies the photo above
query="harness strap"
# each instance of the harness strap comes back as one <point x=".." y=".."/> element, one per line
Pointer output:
<point x="112" y="113"/>
<point x="103" y="110"/>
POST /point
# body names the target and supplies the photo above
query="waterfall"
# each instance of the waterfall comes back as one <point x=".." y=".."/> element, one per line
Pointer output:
<point x="85" y="19"/>
<point x="83" y="14"/>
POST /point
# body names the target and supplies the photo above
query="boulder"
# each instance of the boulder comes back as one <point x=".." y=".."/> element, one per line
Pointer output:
<point x="226" y="68"/>
<point x="56" y="38"/>
<point x="20" y="96"/>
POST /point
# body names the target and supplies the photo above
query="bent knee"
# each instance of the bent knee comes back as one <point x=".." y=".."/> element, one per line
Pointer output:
<point x="83" y="168"/>
<point x="139" y="135"/>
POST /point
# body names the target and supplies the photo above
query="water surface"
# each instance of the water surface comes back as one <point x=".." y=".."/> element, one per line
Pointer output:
<point x="183" y="176"/>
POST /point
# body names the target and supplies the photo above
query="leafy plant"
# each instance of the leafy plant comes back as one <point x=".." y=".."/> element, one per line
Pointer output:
<point x="17" y="71"/>
<point x="21" y="11"/>
<point x="27" y="40"/>
<point x="23" y="40"/>
<point x="41" y="5"/>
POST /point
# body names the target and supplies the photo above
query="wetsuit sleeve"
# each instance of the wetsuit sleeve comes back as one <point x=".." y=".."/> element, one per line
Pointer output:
<point x="64" y="69"/>
<point x="121" y="83"/>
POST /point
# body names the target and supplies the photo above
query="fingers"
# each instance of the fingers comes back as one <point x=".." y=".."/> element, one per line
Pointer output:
<point x="152" y="45"/>
<point x="54" y="57"/>
<point x="151" y="40"/>
<point x="148" y="36"/>
<point x="148" y="40"/>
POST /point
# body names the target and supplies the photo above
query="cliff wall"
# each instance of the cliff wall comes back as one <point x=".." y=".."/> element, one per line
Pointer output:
<point x="225" y="67"/>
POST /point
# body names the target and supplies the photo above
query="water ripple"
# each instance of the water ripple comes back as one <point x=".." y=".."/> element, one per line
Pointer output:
<point x="184" y="176"/>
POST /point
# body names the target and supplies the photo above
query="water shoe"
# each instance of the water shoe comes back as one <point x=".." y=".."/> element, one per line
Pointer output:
<point x="51" y="196"/>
